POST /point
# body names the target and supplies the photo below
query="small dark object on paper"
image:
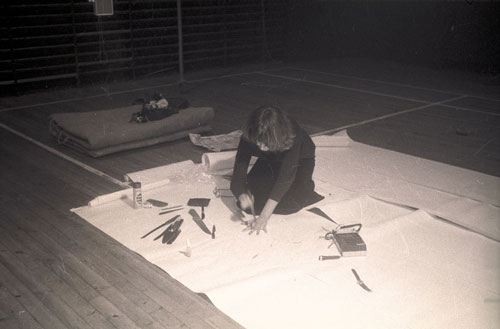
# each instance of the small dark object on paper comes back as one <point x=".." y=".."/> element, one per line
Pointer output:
<point x="170" y="210"/>
<point x="321" y="213"/>
<point x="360" y="282"/>
<point x="348" y="240"/>
<point x="198" y="202"/>
<point x="350" y="244"/>
<point x="157" y="203"/>
<point x="329" y="257"/>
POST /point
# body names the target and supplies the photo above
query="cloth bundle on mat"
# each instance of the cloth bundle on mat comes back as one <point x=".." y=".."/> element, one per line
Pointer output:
<point x="103" y="132"/>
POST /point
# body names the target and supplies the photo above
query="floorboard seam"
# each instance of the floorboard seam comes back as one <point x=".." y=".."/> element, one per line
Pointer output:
<point x="65" y="157"/>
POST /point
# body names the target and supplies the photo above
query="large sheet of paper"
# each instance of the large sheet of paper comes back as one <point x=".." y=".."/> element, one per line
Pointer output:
<point x="424" y="272"/>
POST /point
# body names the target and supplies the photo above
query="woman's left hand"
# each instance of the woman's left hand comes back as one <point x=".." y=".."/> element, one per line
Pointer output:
<point x="258" y="224"/>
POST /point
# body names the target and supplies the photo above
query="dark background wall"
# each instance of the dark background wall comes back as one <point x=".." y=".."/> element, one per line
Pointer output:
<point x="457" y="34"/>
<point x="61" y="42"/>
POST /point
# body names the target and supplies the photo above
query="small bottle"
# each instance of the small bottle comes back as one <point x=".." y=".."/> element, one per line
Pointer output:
<point x="137" y="195"/>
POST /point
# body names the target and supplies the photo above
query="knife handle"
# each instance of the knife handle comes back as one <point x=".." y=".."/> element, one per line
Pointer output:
<point x="328" y="257"/>
<point x="356" y="275"/>
<point x="172" y="239"/>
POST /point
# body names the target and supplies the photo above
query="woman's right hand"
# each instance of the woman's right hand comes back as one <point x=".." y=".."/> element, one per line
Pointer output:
<point x="246" y="201"/>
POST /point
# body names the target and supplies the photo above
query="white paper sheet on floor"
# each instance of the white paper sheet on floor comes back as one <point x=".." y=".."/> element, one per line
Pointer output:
<point x="424" y="272"/>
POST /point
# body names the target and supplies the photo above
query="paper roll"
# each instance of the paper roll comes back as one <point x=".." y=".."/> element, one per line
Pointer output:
<point x="220" y="163"/>
<point x="161" y="173"/>
<point x="217" y="163"/>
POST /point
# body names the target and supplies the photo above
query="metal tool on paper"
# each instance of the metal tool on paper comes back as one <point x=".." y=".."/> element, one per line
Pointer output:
<point x="360" y="282"/>
<point x="199" y="202"/>
<point x="157" y="203"/>
<point x="197" y="219"/>
<point x="170" y="209"/>
<point x="329" y="257"/>
<point x="223" y="193"/>
<point x="170" y="221"/>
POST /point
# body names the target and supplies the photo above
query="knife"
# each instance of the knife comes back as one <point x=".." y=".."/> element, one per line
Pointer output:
<point x="199" y="222"/>
<point x="171" y="220"/>
<point x="173" y="237"/>
<point x="171" y="228"/>
<point x="360" y="282"/>
<point x="172" y="232"/>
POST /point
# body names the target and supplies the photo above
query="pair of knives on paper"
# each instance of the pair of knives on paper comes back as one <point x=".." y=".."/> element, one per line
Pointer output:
<point x="360" y="282"/>
<point x="171" y="232"/>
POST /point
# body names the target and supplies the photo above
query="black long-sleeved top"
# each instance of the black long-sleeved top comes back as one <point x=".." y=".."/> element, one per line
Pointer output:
<point x="302" y="148"/>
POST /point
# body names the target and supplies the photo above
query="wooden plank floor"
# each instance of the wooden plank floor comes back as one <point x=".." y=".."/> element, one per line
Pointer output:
<point x="58" y="271"/>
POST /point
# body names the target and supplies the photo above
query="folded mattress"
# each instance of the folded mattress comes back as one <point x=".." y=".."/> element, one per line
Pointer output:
<point x="103" y="132"/>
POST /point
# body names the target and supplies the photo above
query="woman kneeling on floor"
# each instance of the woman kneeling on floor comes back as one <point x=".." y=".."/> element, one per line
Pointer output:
<point x="280" y="182"/>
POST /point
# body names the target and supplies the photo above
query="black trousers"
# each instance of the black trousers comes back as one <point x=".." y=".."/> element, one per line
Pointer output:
<point x="263" y="176"/>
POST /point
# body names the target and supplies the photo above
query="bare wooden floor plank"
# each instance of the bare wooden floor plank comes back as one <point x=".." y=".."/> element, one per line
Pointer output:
<point x="13" y="313"/>
<point x="51" y="274"/>
<point x="29" y="300"/>
<point x="55" y="296"/>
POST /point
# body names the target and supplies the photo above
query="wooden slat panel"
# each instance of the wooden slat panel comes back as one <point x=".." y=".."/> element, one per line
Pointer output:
<point x="139" y="36"/>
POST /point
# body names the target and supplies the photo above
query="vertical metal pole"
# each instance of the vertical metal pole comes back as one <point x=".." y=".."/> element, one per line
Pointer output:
<point x="131" y="35"/>
<point x="179" y="36"/>
<point x="265" y="49"/>
<point x="11" y="46"/>
<point x="75" y="44"/>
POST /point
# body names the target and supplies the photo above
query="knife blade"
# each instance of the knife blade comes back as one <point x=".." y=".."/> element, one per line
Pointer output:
<point x="199" y="222"/>
<point x="360" y="282"/>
